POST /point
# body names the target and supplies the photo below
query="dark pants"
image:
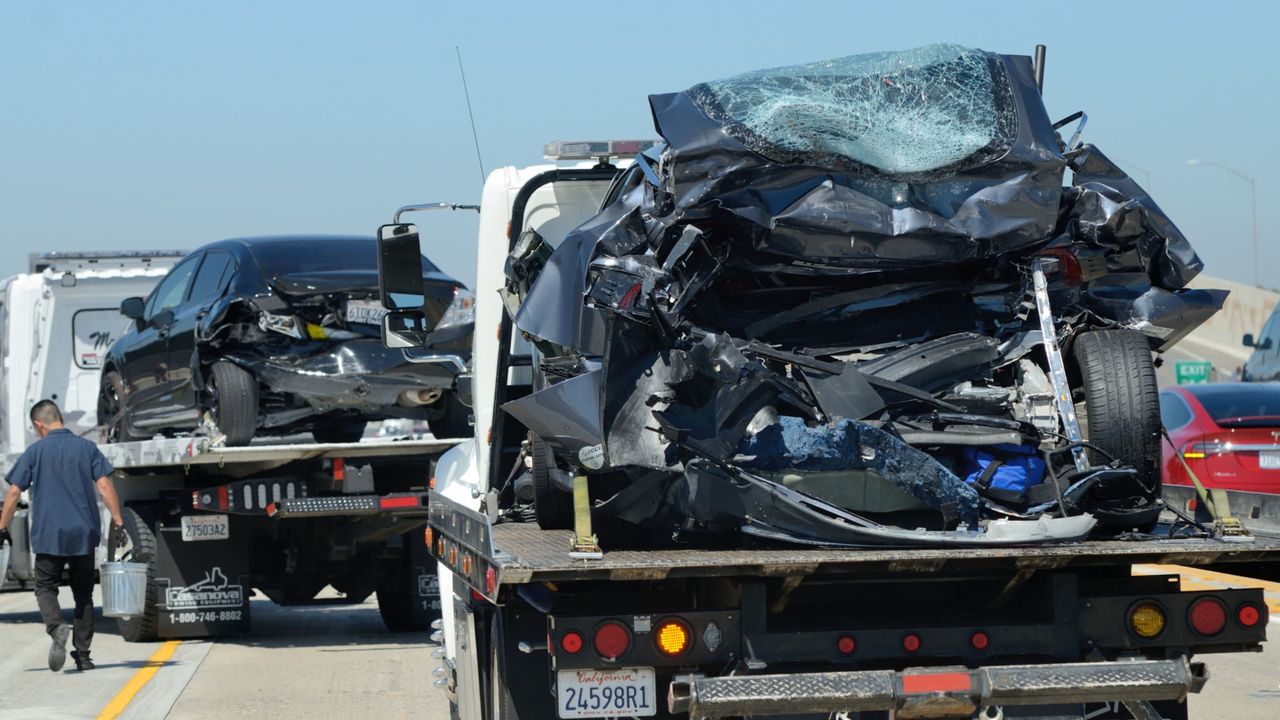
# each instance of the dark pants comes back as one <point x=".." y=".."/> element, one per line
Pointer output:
<point x="48" y="577"/>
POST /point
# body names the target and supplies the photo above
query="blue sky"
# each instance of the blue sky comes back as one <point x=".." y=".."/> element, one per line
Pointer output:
<point x="161" y="124"/>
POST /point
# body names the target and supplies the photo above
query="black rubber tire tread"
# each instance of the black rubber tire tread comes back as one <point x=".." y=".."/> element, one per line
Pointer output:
<point x="144" y="627"/>
<point x="552" y="507"/>
<point x="1122" y="401"/>
<point x="111" y="379"/>
<point x="345" y="432"/>
<point x="455" y="422"/>
<point x="237" y="396"/>
<point x="395" y="599"/>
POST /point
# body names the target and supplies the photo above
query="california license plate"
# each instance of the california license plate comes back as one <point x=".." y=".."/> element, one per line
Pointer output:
<point x="369" y="312"/>
<point x="1269" y="460"/>
<point x="205" y="527"/>
<point x="615" y="692"/>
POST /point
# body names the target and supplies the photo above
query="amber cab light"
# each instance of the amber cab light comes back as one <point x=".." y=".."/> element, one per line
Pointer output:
<point x="1207" y="616"/>
<point x="672" y="637"/>
<point x="611" y="640"/>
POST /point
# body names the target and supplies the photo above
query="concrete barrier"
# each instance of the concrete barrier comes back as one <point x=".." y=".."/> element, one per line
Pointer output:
<point x="1245" y="311"/>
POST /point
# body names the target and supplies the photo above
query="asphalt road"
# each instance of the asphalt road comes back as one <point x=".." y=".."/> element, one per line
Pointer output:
<point x="337" y="661"/>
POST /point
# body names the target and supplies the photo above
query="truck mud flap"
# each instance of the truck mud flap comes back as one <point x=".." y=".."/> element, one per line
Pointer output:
<point x="936" y="692"/>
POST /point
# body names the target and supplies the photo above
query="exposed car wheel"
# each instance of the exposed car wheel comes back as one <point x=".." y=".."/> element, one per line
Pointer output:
<point x="552" y="507"/>
<point x="344" y="432"/>
<point x="111" y="403"/>
<point x="1122" y="402"/>
<point x="235" y="402"/>
<point x="139" y="546"/>
<point x="456" y="420"/>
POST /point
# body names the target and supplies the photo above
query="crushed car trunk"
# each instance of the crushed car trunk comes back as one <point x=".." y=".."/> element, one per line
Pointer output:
<point x="842" y="305"/>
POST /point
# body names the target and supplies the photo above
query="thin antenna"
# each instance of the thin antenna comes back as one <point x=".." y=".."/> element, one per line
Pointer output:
<point x="474" y="135"/>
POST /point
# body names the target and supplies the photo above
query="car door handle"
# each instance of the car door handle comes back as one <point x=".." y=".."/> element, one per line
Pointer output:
<point x="162" y="333"/>
<point x="202" y="315"/>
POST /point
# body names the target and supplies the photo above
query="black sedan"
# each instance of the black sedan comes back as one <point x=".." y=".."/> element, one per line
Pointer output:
<point x="278" y="335"/>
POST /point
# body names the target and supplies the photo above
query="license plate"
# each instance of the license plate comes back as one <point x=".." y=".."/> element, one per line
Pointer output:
<point x="369" y="312"/>
<point x="1269" y="460"/>
<point x="615" y="692"/>
<point x="205" y="527"/>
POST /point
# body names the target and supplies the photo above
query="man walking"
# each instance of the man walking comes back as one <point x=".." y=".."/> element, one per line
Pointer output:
<point x="62" y="471"/>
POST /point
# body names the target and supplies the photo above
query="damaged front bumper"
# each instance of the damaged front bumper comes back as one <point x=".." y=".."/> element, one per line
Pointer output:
<point x="355" y="375"/>
<point x="936" y="692"/>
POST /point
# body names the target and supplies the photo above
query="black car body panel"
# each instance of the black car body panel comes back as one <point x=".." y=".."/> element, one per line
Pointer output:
<point x="829" y="269"/>
<point x="215" y="306"/>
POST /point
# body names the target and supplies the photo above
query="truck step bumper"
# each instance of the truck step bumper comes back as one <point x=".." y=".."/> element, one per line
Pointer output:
<point x="935" y="692"/>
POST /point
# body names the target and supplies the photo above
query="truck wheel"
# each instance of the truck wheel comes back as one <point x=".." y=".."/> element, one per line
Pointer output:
<point x="141" y="548"/>
<point x="111" y="401"/>
<point x="395" y="598"/>
<point x="235" y="402"/>
<point x="455" y="422"/>
<point x="1122" y="402"/>
<point x="552" y="507"/>
<point x="344" y="432"/>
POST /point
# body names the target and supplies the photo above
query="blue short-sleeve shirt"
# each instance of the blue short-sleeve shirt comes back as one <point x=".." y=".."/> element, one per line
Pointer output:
<point x="61" y="472"/>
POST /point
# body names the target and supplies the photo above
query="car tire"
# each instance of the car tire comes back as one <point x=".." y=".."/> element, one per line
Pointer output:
<point x="142" y="544"/>
<point x="343" y="432"/>
<point x="111" y="404"/>
<point x="235" y="402"/>
<point x="552" y="507"/>
<point x="1122" y="401"/>
<point x="454" y="422"/>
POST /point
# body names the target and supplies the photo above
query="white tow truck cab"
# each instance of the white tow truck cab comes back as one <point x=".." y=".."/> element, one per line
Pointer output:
<point x="287" y="517"/>
<point x="531" y="629"/>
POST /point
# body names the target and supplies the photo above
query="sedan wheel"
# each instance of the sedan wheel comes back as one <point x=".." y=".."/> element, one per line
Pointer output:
<point x="111" y="408"/>
<point x="235" y="402"/>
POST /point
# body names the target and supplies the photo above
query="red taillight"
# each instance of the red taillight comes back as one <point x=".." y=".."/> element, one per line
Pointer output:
<point x="979" y="641"/>
<point x="339" y="469"/>
<point x="403" y="501"/>
<point x="1248" y="615"/>
<point x="911" y="643"/>
<point x="1201" y="450"/>
<point x="1070" y="265"/>
<point x="611" y="640"/>
<point x="490" y="581"/>
<point x="571" y="642"/>
<point x="1208" y="616"/>
<point x="846" y="645"/>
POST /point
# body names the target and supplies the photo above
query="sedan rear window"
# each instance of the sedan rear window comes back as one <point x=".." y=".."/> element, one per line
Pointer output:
<point x="1240" y="404"/>
<point x="285" y="257"/>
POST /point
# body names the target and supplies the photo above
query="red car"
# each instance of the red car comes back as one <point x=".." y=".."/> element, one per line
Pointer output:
<point x="1228" y="433"/>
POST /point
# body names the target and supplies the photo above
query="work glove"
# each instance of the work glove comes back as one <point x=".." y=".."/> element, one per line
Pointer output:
<point x="5" y="537"/>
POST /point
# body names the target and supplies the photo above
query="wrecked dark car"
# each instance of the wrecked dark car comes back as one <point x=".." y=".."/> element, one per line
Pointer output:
<point x="279" y="335"/>
<point x="877" y="300"/>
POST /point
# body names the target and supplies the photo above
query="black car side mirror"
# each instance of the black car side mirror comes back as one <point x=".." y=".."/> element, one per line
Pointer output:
<point x="400" y="267"/>
<point x="132" y="308"/>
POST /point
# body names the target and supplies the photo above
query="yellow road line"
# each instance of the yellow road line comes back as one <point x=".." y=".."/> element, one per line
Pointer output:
<point x="139" y="679"/>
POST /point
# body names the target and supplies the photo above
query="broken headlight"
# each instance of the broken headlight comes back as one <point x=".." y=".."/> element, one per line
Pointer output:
<point x="283" y="324"/>
<point x="460" y="312"/>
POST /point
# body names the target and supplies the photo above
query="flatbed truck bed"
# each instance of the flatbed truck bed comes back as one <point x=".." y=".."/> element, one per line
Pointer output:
<point x="523" y="553"/>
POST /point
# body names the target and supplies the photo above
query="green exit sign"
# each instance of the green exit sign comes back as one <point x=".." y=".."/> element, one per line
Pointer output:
<point x="1191" y="372"/>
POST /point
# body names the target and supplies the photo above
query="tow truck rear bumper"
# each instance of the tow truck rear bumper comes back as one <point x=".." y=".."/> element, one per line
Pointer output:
<point x="934" y="693"/>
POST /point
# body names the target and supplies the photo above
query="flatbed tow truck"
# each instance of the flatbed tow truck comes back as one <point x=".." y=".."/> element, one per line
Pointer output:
<point x="542" y="624"/>
<point x="213" y="523"/>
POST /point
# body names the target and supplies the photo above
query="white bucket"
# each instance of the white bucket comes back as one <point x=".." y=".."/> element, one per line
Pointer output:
<point x="124" y="589"/>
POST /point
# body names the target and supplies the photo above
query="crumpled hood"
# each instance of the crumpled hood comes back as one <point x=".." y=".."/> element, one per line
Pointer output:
<point x="848" y="191"/>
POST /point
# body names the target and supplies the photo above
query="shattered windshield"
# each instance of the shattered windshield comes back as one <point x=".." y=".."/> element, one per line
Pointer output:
<point x="926" y="110"/>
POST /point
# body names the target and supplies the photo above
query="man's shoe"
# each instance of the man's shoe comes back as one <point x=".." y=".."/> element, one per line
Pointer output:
<point x="58" y="650"/>
<point x="82" y="661"/>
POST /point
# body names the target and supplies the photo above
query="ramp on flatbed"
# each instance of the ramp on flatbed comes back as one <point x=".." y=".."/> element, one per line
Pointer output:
<point x="524" y="553"/>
